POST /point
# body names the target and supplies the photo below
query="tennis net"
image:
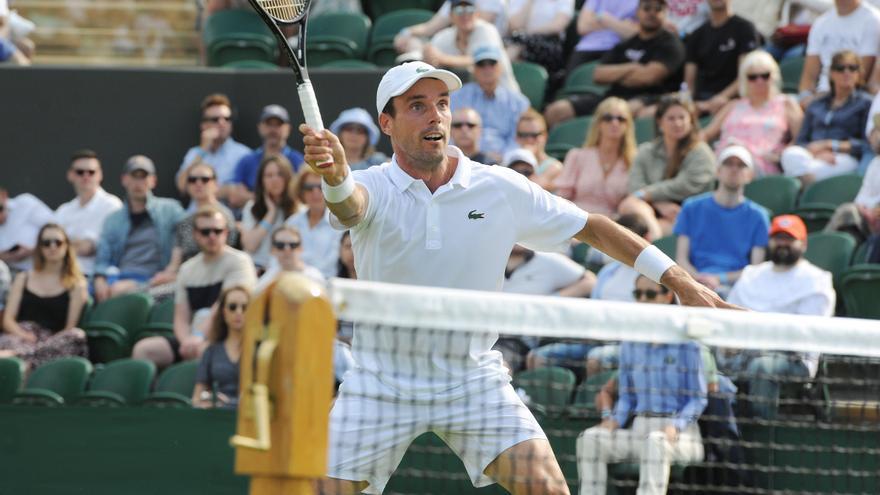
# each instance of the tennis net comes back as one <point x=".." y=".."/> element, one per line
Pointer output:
<point x="758" y="402"/>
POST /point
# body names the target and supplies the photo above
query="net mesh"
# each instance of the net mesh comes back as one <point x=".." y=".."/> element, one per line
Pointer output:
<point x="284" y="10"/>
<point x="756" y="402"/>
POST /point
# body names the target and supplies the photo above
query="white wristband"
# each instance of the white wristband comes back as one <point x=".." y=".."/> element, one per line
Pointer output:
<point x="652" y="263"/>
<point x="338" y="194"/>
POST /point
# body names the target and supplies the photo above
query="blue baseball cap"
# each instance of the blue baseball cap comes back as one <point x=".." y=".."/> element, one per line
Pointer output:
<point x="487" y="52"/>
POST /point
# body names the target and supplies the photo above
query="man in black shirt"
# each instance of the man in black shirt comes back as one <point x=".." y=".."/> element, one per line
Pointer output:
<point x="713" y="54"/>
<point x="639" y="69"/>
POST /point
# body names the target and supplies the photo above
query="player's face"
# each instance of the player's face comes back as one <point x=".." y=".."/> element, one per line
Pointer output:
<point x="233" y="309"/>
<point x="676" y="122"/>
<point x="85" y="175"/>
<point x="210" y="234"/>
<point x="420" y="128"/>
<point x="274" y="132"/>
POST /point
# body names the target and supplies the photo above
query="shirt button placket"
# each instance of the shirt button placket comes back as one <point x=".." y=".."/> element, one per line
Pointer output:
<point x="432" y="232"/>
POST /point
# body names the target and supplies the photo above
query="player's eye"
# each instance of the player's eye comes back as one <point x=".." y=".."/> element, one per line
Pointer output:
<point x="417" y="107"/>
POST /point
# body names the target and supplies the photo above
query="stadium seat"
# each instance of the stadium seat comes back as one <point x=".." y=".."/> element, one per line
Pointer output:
<point x="379" y="8"/>
<point x="12" y="372"/>
<point x="830" y="251"/>
<point x="251" y="65"/>
<point x="349" y="64"/>
<point x="644" y="128"/>
<point x="777" y="193"/>
<point x="532" y="79"/>
<point x="386" y="27"/>
<point x="859" y="286"/>
<point x="119" y="383"/>
<point x="667" y="245"/>
<point x="860" y="255"/>
<point x="159" y="322"/>
<point x="832" y="191"/>
<point x="791" y="69"/>
<point x="548" y="388"/>
<point x="580" y="81"/>
<point x="112" y="323"/>
<point x="56" y="383"/>
<point x="815" y="215"/>
<point x="233" y="35"/>
<point x="567" y="135"/>
<point x="175" y="386"/>
<point x="337" y="36"/>
<point x="585" y="395"/>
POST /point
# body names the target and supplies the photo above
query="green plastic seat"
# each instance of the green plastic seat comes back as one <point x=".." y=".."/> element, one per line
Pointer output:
<point x="56" y="383"/>
<point x="175" y="386"/>
<point x="791" y="69"/>
<point x="830" y="251"/>
<point x="859" y="287"/>
<point x="815" y="215"/>
<point x="12" y="372"/>
<point x="860" y="255"/>
<point x="532" y="79"/>
<point x="233" y="35"/>
<point x="567" y="135"/>
<point x="349" y="64"/>
<point x="644" y="129"/>
<point x="833" y="190"/>
<point x="777" y="193"/>
<point x="118" y="383"/>
<point x="580" y="81"/>
<point x="160" y="321"/>
<point x="337" y="36"/>
<point x="548" y="388"/>
<point x="380" y="8"/>
<point x="585" y="395"/>
<point x="113" y="323"/>
<point x="381" y="51"/>
<point x="667" y="244"/>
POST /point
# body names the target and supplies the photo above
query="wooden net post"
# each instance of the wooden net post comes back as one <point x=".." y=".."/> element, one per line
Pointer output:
<point x="287" y="386"/>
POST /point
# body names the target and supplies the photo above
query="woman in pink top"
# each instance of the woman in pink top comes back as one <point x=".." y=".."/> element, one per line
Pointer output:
<point x="595" y="175"/>
<point x="763" y="120"/>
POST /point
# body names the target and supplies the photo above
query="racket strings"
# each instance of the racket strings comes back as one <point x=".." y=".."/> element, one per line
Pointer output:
<point x="285" y="10"/>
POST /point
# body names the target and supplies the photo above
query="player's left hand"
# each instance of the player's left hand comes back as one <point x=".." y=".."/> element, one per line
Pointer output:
<point x="692" y="293"/>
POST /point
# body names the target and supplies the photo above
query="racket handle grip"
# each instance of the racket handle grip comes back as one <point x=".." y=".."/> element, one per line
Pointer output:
<point x="310" y="106"/>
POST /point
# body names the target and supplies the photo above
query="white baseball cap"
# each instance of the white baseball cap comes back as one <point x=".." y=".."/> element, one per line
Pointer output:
<point x="738" y="151"/>
<point x="400" y="78"/>
<point x="519" y="155"/>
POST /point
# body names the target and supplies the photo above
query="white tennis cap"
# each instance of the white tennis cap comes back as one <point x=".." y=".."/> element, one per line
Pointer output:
<point x="519" y="155"/>
<point x="738" y="151"/>
<point x="399" y="79"/>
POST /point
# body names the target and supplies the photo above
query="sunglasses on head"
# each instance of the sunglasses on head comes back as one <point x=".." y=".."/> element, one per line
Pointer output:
<point x="51" y="242"/>
<point x="529" y="135"/>
<point x="204" y="179"/>
<point x="650" y="293"/>
<point x="610" y="118"/>
<point x="459" y="125"/>
<point x="207" y="232"/>
<point x="85" y="171"/>
<point x="216" y="120"/>
<point x="843" y="67"/>
<point x="281" y="245"/>
<point x="236" y="306"/>
<point x="763" y="75"/>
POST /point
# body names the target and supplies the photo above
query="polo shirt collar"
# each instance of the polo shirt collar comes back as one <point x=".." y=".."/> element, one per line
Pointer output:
<point x="461" y="177"/>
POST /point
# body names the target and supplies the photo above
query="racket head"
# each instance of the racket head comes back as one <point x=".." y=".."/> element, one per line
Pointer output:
<point x="284" y="11"/>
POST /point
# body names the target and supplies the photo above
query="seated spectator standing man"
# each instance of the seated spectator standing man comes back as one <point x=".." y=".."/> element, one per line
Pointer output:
<point x="664" y="387"/>
<point x="713" y="54"/>
<point x="216" y="146"/>
<point x="467" y="127"/>
<point x="639" y="69"/>
<point x="786" y="283"/>
<point x="721" y="232"/>
<point x="83" y="216"/>
<point x="499" y="106"/>
<point x="21" y="219"/>
<point x="199" y="283"/>
<point x="849" y="25"/>
<point x="274" y="129"/>
<point x="136" y="240"/>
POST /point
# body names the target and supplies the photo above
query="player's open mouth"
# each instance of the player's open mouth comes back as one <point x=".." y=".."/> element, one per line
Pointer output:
<point x="433" y="136"/>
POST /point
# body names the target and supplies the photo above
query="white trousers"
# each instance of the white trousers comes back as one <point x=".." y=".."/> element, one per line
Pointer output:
<point x="797" y="161"/>
<point x="646" y="443"/>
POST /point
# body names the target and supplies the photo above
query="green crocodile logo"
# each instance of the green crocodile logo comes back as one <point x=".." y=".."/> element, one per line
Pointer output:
<point x="473" y="215"/>
<point x="422" y="69"/>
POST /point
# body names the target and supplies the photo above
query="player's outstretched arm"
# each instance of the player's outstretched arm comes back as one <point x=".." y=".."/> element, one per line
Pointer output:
<point x="621" y="244"/>
<point x="346" y="199"/>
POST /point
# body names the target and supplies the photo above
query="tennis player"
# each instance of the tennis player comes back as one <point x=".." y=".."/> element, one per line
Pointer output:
<point x="433" y="217"/>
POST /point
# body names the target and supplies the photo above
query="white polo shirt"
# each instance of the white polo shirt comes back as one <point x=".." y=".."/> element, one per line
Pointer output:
<point x="85" y="221"/>
<point x="458" y="237"/>
<point x="544" y="275"/>
<point x="25" y="217"/>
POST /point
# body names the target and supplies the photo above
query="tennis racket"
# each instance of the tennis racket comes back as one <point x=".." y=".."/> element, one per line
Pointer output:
<point x="277" y="13"/>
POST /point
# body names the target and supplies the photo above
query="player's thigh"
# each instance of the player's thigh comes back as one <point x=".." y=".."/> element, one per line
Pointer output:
<point x="528" y="467"/>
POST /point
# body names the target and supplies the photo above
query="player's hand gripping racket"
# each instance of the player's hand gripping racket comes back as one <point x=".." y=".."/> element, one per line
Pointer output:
<point x="276" y="13"/>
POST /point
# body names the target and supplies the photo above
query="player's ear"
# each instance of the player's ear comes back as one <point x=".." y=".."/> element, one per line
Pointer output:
<point x="385" y="122"/>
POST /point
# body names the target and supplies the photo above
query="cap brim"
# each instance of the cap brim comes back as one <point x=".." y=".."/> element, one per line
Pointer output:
<point x="452" y="81"/>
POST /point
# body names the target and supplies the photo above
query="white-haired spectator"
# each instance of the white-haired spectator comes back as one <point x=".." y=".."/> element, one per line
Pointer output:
<point x="358" y="135"/>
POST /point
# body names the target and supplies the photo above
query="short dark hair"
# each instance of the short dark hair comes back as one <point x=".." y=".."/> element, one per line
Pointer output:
<point x="83" y="153"/>
<point x="389" y="108"/>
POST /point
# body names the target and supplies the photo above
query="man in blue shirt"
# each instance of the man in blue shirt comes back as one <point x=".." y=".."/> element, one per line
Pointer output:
<point x="274" y="129"/>
<point x="721" y="232"/>
<point x="498" y="105"/>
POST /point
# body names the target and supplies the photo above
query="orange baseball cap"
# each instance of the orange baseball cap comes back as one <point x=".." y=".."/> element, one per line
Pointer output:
<point x="791" y="225"/>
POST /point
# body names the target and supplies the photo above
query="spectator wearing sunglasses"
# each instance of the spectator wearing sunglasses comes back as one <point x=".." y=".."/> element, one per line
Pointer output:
<point x="764" y="119"/>
<point x="359" y="135"/>
<point x="467" y="127"/>
<point x="531" y="134"/>
<point x="498" y="105"/>
<point x="21" y="218"/>
<point x="216" y="145"/>
<point x="287" y="254"/>
<point x="320" y="241"/>
<point x="831" y="140"/>
<point x="198" y="286"/>
<point x="217" y="376"/>
<point x="83" y="216"/>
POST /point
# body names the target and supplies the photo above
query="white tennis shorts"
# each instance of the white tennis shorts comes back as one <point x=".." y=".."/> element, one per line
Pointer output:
<point x="371" y="428"/>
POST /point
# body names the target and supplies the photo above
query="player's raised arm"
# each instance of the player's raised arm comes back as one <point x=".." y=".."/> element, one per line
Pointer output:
<point x="607" y="236"/>
<point x="346" y="199"/>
